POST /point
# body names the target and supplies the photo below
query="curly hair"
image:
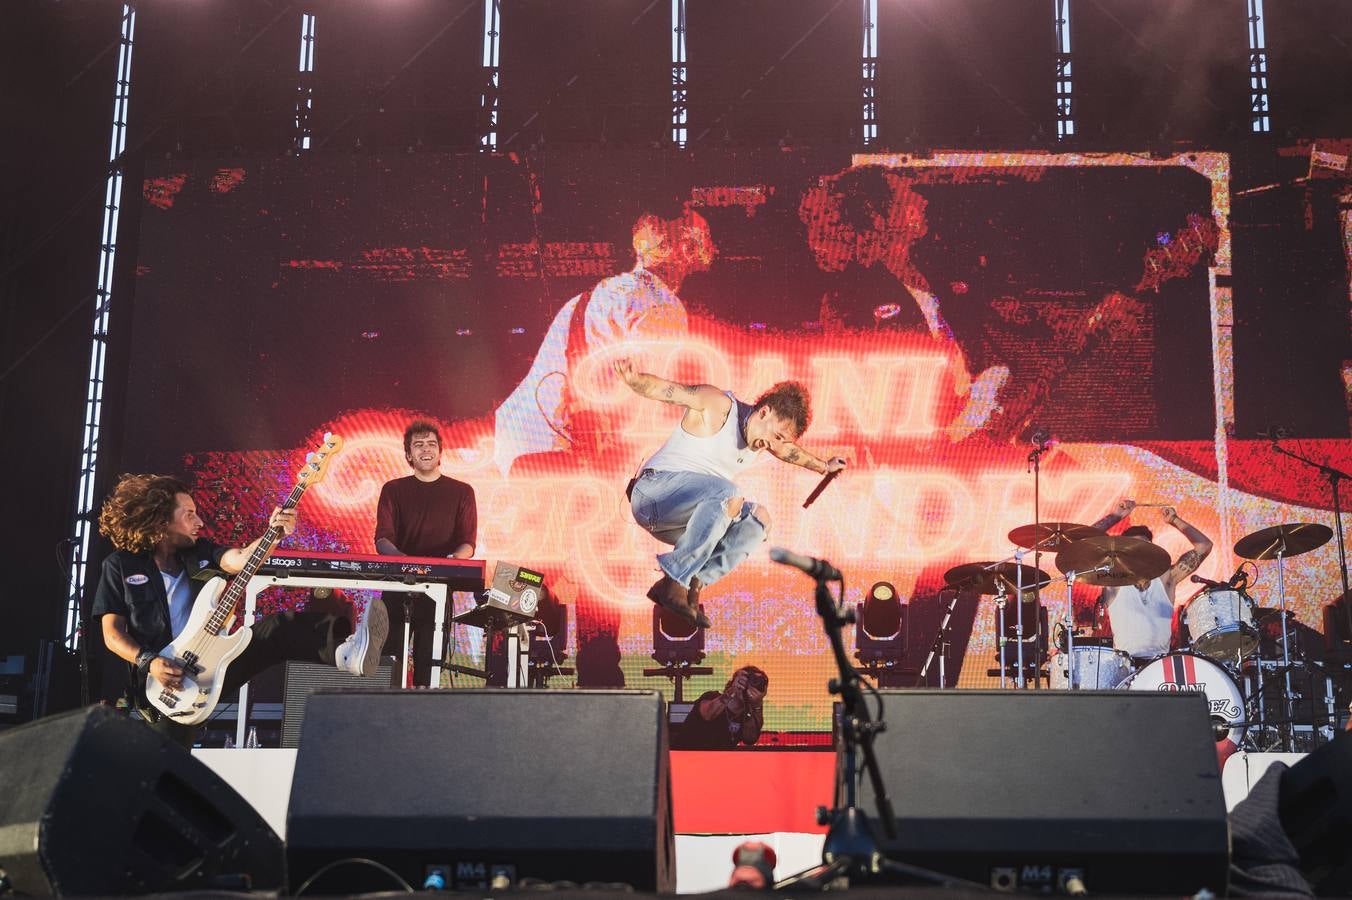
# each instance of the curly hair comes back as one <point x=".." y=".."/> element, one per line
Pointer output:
<point x="135" y="514"/>
<point x="417" y="427"/>
<point x="790" y="401"/>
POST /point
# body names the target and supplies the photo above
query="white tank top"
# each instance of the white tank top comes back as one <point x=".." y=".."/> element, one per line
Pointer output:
<point x="723" y="453"/>
<point x="1142" y="620"/>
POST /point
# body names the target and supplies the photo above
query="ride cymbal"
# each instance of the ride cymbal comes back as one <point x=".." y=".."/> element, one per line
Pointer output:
<point x="1051" y="535"/>
<point x="1289" y="540"/>
<point x="1129" y="560"/>
<point x="982" y="577"/>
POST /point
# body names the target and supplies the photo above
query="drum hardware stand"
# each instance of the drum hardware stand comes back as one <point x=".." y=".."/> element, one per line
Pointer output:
<point x="1041" y="443"/>
<point x="851" y="850"/>
<point x="1068" y="622"/>
<point x="1018" y="617"/>
<point x="1334" y="476"/>
<point x="939" y="647"/>
<point x="1002" y="639"/>
<point x="1288" y="697"/>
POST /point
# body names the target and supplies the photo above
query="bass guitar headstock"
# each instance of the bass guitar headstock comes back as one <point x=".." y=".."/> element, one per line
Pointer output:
<point x="317" y="460"/>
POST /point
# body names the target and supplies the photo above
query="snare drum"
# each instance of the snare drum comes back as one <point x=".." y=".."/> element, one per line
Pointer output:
<point x="1096" y="668"/>
<point x="1179" y="672"/>
<point x="1220" y="624"/>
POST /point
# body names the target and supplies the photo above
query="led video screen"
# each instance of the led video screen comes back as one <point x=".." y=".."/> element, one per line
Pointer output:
<point x="937" y="309"/>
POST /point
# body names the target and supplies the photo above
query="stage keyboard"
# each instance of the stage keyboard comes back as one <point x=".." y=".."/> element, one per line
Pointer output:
<point x="456" y="574"/>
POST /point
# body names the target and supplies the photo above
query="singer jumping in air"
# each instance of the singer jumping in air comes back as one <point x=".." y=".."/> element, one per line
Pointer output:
<point x="685" y="493"/>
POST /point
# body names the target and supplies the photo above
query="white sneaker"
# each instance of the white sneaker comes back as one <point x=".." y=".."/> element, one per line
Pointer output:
<point x="360" y="653"/>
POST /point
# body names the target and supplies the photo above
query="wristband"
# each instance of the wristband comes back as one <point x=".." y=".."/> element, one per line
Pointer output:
<point x="144" y="659"/>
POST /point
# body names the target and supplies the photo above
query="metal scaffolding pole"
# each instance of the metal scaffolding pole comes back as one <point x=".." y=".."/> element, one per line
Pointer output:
<point x="1259" y="120"/>
<point x="679" y="91"/>
<point x="1065" y="109"/>
<point x="488" y="101"/>
<point x="82" y="529"/>
<point x="305" y="90"/>
<point x="869" y="64"/>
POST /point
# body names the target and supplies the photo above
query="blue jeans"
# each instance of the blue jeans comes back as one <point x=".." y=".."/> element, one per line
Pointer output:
<point x="689" y="511"/>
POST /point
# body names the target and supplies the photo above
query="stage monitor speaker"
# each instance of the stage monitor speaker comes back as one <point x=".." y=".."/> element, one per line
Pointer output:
<point x="1022" y="789"/>
<point x="92" y="802"/>
<point x="303" y="679"/>
<point x="1315" y="809"/>
<point x="479" y="786"/>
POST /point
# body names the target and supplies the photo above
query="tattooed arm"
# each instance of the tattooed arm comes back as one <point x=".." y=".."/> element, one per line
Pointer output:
<point x="1120" y="512"/>
<point x="698" y="397"/>
<point x="792" y="454"/>
<point x="1192" y="560"/>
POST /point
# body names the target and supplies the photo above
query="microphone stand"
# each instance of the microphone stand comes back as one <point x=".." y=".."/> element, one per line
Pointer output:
<point x="939" y="648"/>
<point x="1035" y="460"/>
<point x="1334" y="476"/>
<point x="851" y="850"/>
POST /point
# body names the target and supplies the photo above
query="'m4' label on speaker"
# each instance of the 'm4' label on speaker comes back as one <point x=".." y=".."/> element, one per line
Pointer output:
<point x="480" y="876"/>
<point x="471" y="876"/>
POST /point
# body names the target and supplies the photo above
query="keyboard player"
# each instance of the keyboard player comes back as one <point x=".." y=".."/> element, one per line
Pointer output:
<point x="422" y="514"/>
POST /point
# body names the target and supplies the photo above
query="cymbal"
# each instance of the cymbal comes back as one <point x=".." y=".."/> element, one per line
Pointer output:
<point x="1290" y="540"/>
<point x="1051" y="535"/>
<point x="1130" y="559"/>
<point x="982" y="576"/>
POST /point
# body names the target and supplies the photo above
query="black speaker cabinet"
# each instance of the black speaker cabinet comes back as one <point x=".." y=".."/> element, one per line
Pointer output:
<point x="1019" y="789"/>
<point x="303" y="679"/>
<point x="94" y="803"/>
<point x="478" y="785"/>
<point x="1315" y="809"/>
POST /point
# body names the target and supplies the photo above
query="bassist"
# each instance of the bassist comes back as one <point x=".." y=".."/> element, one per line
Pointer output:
<point x="148" y="585"/>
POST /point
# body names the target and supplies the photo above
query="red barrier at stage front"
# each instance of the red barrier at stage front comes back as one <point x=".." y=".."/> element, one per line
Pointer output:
<point x="749" y="791"/>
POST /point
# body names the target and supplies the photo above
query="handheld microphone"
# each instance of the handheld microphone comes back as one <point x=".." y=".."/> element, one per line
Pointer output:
<point x="1198" y="579"/>
<point x="819" y="569"/>
<point x="821" y="486"/>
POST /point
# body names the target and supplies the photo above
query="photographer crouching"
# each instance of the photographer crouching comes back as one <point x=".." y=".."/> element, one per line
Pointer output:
<point x="723" y="720"/>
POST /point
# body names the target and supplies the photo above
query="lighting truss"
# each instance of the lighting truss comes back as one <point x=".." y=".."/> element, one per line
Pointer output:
<point x="305" y="90"/>
<point x="83" y="525"/>
<point x="1259" y="121"/>
<point x="869" y="61"/>
<point x="488" y="100"/>
<point x="1065" y="111"/>
<point x="680" y="95"/>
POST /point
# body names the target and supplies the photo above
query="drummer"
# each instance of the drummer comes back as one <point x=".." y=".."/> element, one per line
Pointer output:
<point x="1142" y="614"/>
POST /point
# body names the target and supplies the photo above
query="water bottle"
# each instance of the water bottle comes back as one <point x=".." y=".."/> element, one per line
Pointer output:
<point x="229" y="742"/>
<point x="251" y="740"/>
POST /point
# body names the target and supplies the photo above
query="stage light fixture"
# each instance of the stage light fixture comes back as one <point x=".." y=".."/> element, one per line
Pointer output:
<point x="676" y="640"/>
<point x="879" y="628"/>
<point x="548" y="644"/>
<point x="880" y="635"/>
<point x="678" y="645"/>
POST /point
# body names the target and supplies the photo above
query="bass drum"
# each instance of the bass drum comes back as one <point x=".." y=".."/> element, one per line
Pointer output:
<point x="1180" y="672"/>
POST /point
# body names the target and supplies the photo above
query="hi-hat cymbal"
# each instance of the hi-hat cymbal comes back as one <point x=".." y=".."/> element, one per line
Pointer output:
<point x="982" y="577"/>
<point x="1288" y="540"/>
<point x="1051" y="535"/>
<point x="1129" y="560"/>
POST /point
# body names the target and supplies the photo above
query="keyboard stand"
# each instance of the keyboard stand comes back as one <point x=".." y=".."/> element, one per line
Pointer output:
<point x="493" y="619"/>
<point x="259" y="583"/>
